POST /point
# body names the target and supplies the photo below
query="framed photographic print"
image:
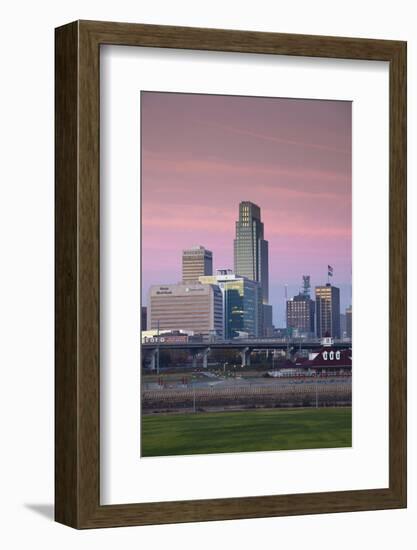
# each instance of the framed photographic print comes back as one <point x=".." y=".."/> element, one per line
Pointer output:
<point x="230" y="274"/>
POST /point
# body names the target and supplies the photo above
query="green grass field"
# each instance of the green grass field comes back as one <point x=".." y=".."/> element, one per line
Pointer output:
<point x="259" y="430"/>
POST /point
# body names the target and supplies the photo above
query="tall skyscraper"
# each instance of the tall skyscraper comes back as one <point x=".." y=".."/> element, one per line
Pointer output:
<point x="195" y="307"/>
<point x="196" y="262"/>
<point x="327" y="311"/>
<point x="250" y="247"/>
<point x="242" y="303"/>
<point x="349" y="322"/>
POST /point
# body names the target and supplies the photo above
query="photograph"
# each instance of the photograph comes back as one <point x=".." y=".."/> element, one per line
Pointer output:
<point x="246" y="263"/>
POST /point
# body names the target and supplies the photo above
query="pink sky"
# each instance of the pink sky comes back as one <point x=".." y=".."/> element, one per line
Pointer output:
<point x="203" y="154"/>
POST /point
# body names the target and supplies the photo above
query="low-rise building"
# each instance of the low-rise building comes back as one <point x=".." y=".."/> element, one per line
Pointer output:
<point x="195" y="307"/>
<point x="327" y="360"/>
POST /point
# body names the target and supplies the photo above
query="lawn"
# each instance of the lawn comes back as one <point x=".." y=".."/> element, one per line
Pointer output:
<point x="250" y="430"/>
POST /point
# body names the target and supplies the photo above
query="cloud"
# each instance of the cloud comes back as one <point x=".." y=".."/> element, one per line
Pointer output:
<point x="156" y="161"/>
<point x="275" y="139"/>
<point x="218" y="224"/>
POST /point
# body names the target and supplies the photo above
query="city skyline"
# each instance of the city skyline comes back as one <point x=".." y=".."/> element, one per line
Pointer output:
<point x="202" y="155"/>
<point x="290" y="291"/>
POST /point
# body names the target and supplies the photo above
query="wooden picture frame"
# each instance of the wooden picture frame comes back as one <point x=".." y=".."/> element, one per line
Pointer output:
<point x="77" y="382"/>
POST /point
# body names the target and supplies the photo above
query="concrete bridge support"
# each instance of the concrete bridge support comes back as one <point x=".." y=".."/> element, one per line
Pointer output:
<point x="205" y="355"/>
<point x="245" y="355"/>
<point x="200" y="353"/>
<point x="153" y="354"/>
<point x="195" y="354"/>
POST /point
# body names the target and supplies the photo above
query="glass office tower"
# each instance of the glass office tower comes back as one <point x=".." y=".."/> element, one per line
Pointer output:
<point x="242" y="304"/>
<point x="250" y="247"/>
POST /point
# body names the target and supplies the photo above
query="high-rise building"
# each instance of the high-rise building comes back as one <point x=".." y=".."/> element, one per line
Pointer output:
<point x="250" y="247"/>
<point x="300" y="315"/>
<point x="327" y="311"/>
<point x="267" y="324"/>
<point x="343" y="325"/>
<point x="195" y="307"/>
<point x="143" y="318"/>
<point x="349" y="322"/>
<point x="242" y="303"/>
<point x="196" y="262"/>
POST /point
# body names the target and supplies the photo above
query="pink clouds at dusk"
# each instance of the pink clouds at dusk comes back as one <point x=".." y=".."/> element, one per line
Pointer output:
<point x="202" y="155"/>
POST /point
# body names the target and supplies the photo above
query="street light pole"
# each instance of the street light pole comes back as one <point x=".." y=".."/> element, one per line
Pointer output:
<point x="157" y="349"/>
<point x="193" y="397"/>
